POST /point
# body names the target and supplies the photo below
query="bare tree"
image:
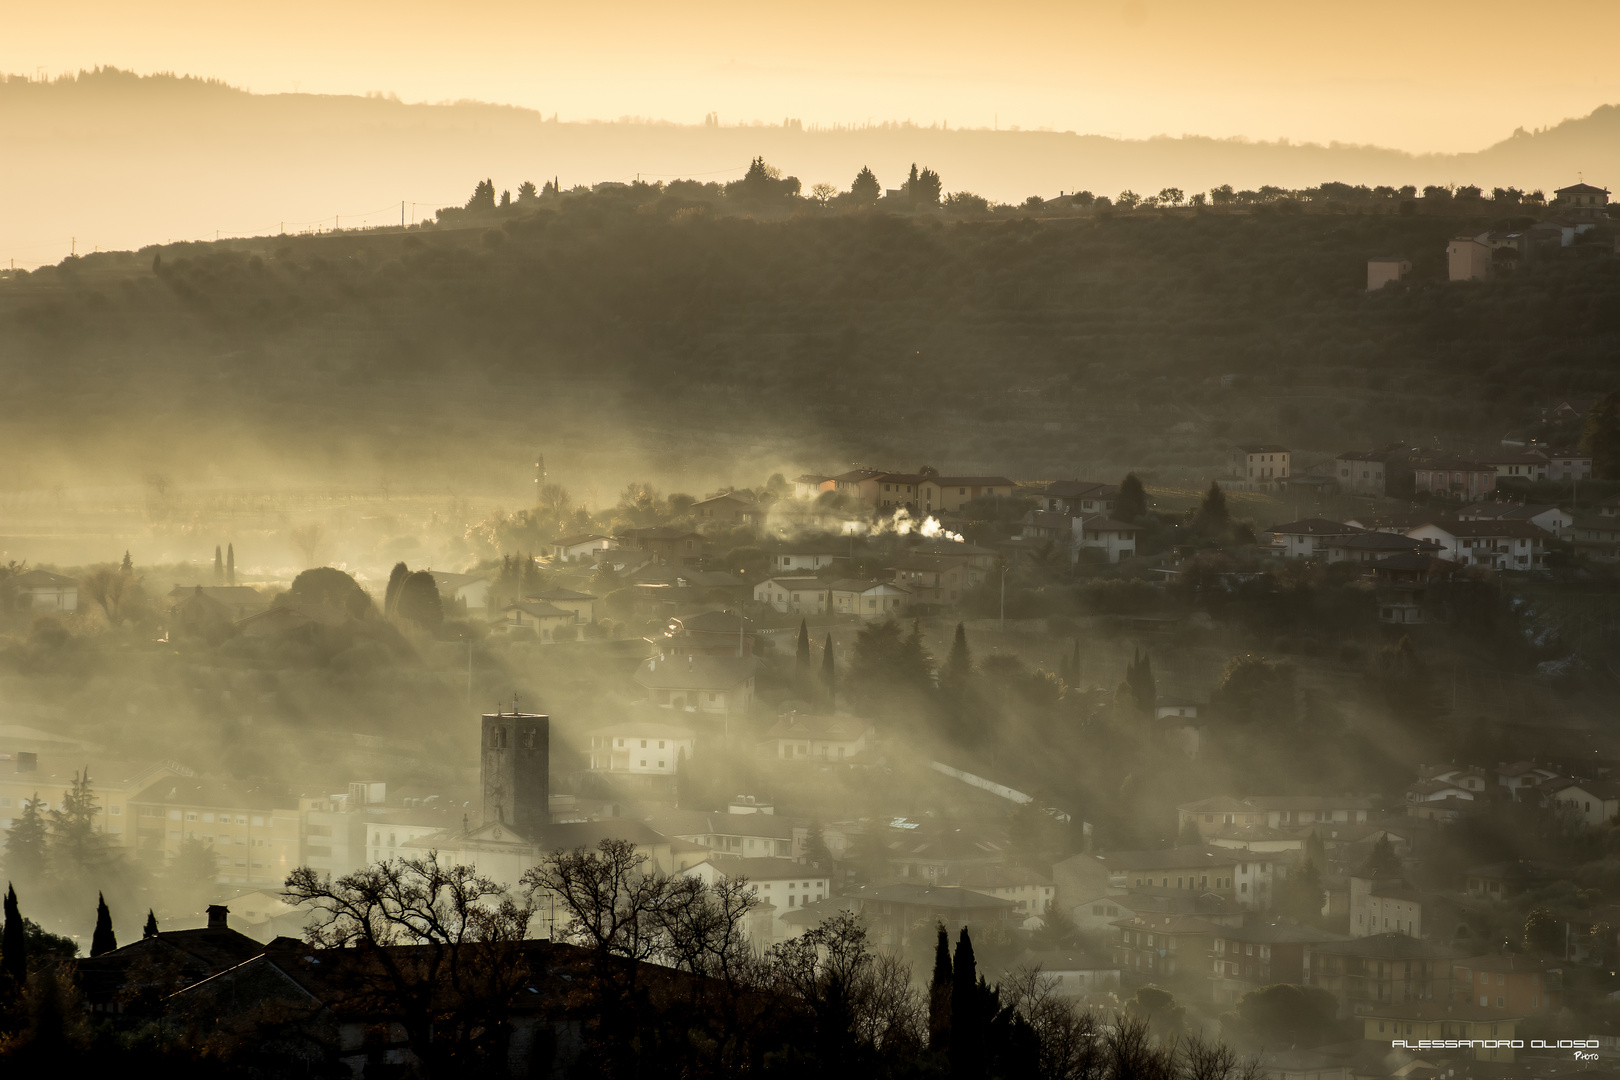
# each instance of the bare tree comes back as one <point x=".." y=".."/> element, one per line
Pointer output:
<point x="307" y="539"/>
<point x="1069" y="1037"/>
<point x="107" y="586"/>
<point x="452" y="989"/>
<point x="612" y="905"/>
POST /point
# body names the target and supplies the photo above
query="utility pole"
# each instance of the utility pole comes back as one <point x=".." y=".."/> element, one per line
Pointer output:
<point x="469" y="670"/>
<point x="402" y="213"/>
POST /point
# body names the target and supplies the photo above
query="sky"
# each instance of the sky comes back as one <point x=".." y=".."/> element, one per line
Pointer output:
<point x="1438" y="76"/>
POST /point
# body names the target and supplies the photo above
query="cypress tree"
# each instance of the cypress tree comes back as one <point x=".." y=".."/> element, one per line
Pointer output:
<point x="827" y="673"/>
<point x="801" y="663"/>
<point x="150" y="929"/>
<point x="959" y="664"/>
<point x="103" y="940"/>
<point x="14" y="941"/>
<point x="219" y="566"/>
<point x="965" y="1032"/>
<point x="1132" y="501"/>
<point x="128" y="565"/>
<point x="939" y="994"/>
<point x="230" y="564"/>
<point x="396" y="579"/>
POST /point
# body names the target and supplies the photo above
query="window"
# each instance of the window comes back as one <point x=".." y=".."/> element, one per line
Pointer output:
<point x="115" y="811"/>
<point x="191" y="815"/>
<point x="258" y="820"/>
<point x="644" y="746"/>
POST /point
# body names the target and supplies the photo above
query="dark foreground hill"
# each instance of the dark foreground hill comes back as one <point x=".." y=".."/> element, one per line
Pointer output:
<point x="633" y="330"/>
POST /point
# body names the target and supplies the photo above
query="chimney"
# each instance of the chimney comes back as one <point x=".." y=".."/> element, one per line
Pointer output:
<point x="216" y="916"/>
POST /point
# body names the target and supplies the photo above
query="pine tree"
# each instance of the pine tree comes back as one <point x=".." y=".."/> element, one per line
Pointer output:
<point x="828" y="676"/>
<point x="230" y="564"/>
<point x="396" y="578"/>
<point x="939" y="994"/>
<point x="103" y="940"/>
<point x="219" y="566"/>
<point x="801" y="663"/>
<point x="816" y="851"/>
<point x="866" y="189"/>
<point x="128" y="565"/>
<point x="1132" y="500"/>
<point x="14" y="941"/>
<point x="151" y="927"/>
<point x="25" y="843"/>
<point x="76" y="846"/>
<point x="959" y="664"/>
<point x="1213" y="520"/>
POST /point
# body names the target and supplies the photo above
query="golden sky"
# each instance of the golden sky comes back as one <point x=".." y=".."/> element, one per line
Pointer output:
<point x="1436" y="75"/>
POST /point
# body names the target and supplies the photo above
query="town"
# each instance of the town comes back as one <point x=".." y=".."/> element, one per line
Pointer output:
<point x="1308" y="786"/>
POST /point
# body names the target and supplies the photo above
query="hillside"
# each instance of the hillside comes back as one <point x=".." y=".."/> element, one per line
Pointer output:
<point x="636" y="333"/>
<point x="109" y="160"/>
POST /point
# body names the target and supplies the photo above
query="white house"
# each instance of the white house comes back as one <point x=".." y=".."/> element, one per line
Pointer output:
<point x="793" y="595"/>
<point x="581" y="605"/>
<point x="1308" y="538"/>
<point x="1499" y="545"/>
<point x="470" y="589"/>
<point x="1524" y="776"/>
<point x="1075" y="973"/>
<point x="1361" y="471"/>
<point x="804" y="557"/>
<point x="1117" y="539"/>
<point x="1384" y="905"/>
<point x="1258" y="466"/>
<point x="868" y="599"/>
<point x="548" y="623"/>
<point x="1031" y="891"/>
<point x="1549" y="519"/>
<point x="783" y="884"/>
<point x="1468" y="258"/>
<point x="47" y="591"/>
<point x="1595" y="801"/>
<point x="818" y="738"/>
<point x="583" y="547"/>
<point x="640" y="748"/>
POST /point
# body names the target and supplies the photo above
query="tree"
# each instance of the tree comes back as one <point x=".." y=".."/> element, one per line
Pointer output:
<point x="150" y="930"/>
<point x="803" y="680"/>
<point x="1171" y="196"/>
<point x="828" y="675"/>
<point x="1189" y="836"/>
<point x="939" y="993"/>
<point x="453" y="994"/>
<point x="77" y="846"/>
<point x="958" y="669"/>
<point x="109" y="587"/>
<point x="816" y="851"/>
<point x="1139" y="677"/>
<point x="419" y="601"/>
<point x="889" y="663"/>
<point x="1057" y="930"/>
<point x="1381" y="861"/>
<point x="26" y="856"/>
<point x="506" y="199"/>
<point x="219" y="566"/>
<point x="527" y="192"/>
<point x="1303" y="894"/>
<point x="307" y="539"/>
<point x="14" y="941"/>
<point x="967" y="1020"/>
<point x="1132" y="500"/>
<point x="1128" y="199"/>
<point x="1284" y="1015"/>
<point x="823" y="193"/>
<point x="1213" y="521"/>
<point x="396" y="578"/>
<point x="865" y="188"/>
<point x="230" y="563"/>
<point x="1165" y="1016"/>
<point x="103" y="940"/>
<point x="328" y="586"/>
<point x="127" y="566"/>
<point x="923" y="188"/>
<point x="483" y="196"/>
<point x="1543" y="932"/>
<point x="1254" y="689"/>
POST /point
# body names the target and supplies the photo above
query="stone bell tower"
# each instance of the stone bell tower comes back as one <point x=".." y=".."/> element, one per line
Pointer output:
<point x="514" y="765"/>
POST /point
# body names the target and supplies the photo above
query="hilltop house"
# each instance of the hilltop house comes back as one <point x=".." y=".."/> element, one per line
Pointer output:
<point x="1568" y="464"/>
<point x="1528" y="467"/>
<point x="1078" y="497"/>
<point x="669" y="545"/>
<point x="582" y="547"/>
<point x="1308" y="538"/>
<point x="1384" y="269"/>
<point x="469" y="590"/>
<point x="42" y="590"/>
<point x="936" y="494"/>
<point x="549" y="623"/>
<point x="1594" y="802"/>
<point x="1457" y="478"/>
<point x="728" y="508"/>
<point x="805" y="557"/>
<point x="1258" y="466"/>
<point x="1362" y="472"/>
<point x="1582" y="200"/>
<point x="640" y="748"/>
<point x="1468" y="258"/>
<point x="698" y="683"/>
<point x="781" y="885"/>
<point x="818" y="738"/>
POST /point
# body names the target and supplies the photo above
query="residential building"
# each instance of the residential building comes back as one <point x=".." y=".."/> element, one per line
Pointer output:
<point x="26" y="775"/>
<point x="112" y="982"/>
<point x="895" y="912"/>
<point x="1115" y="540"/>
<point x="42" y="590"/>
<point x="1166" y="706"/>
<point x="640" y="748"/>
<point x="1240" y="876"/>
<point x="1522" y="776"/>
<point x="1528" y="468"/>
<point x="1078" y="497"/>
<point x="940" y="494"/>
<point x="793" y="595"/>
<point x="1493" y="1032"/>
<point x="582" y="606"/>
<point x="1246" y="958"/>
<point x="897" y="490"/>
<point x="1030" y="891"/>
<point x="1384" y="905"/>
<point x="935" y="580"/>
<point x="1384" y="269"/>
<point x="1468" y="258"/>
<point x="698" y="683"/>
<point x="1507" y="983"/>
<point x="745" y="835"/>
<point x="334" y="828"/>
<point x="1404" y="584"/>
<point x="727" y="508"/>
<point x="1497" y="545"/>
<point x="256" y="835"/>
<point x="862" y="484"/>
<point x="388" y="831"/>
<point x="782" y="886"/>
<point x="1594" y="802"/>
<point x="1456" y="478"/>
<point x="1273" y="811"/>
<point x="800" y="737"/>
<point x="1259" y="466"/>
<point x="1582" y="200"/>
<point x="1568" y="464"/>
<point x="1549" y="519"/>
<point x="1164" y="948"/>
<point x="673" y="546"/>
<point x="867" y="599"/>
<point x="1597" y="537"/>
<point x="1075" y="974"/>
<point x="546" y="621"/>
<point x="233" y="602"/>
<point x="1308" y="538"/>
<point x="810" y="485"/>
<point x="1365" y="973"/>
<point x="467" y="590"/>
<point x="1362" y="472"/>
<point x="1374" y="545"/>
<point x="786" y="560"/>
<point x="579" y="548"/>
